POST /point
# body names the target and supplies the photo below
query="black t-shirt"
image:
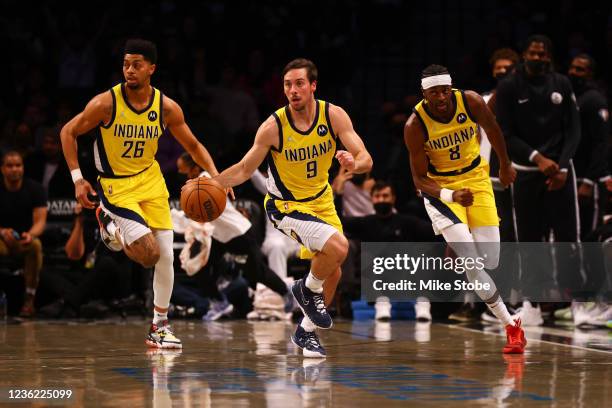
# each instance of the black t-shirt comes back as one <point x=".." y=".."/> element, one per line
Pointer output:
<point x="16" y="206"/>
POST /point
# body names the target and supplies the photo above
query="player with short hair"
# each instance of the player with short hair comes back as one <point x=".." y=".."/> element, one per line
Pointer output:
<point x="441" y="136"/>
<point x="300" y="141"/>
<point x="134" y="213"/>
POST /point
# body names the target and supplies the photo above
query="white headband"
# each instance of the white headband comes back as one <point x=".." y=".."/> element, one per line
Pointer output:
<point x="436" y="80"/>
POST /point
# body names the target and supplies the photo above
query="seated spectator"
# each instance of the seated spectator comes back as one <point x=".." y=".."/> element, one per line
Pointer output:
<point x="95" y="273"/>
<point x="387" y="225"/>
<point x="23" y="215"/>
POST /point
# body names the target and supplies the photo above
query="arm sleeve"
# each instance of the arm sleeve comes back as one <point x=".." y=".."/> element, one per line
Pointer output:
<point x="571" y="125"/>
<point x="505" y="101"/>
<point x="597" y="128"/>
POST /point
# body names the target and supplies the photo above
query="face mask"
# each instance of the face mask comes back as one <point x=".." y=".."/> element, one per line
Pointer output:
<point x="383" y="208"/>
<point x="537" y="67"/>
<point x="501" y="76"/>
<point x="577" y="82"/>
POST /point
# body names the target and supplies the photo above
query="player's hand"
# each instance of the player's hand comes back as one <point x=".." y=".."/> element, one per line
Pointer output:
<point x="82" y="189"/>
<point x="346" y="159"/>
<point x="507" y="175"/>
<point x="230" y="192"/>
<point x="585" y="191"/>
<point x="557" y="181"/>
<point x="463" y="197"/>
<point x="546" y="166"/>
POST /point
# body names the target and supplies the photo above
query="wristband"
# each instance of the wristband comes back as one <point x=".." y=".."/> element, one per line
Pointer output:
<point x="446" y="195"/>
<point x="76" y="175"/>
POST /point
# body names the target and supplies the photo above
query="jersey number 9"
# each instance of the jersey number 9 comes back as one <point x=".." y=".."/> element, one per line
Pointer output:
<point x="137" y="147"/>
<point x="311" y="169"/>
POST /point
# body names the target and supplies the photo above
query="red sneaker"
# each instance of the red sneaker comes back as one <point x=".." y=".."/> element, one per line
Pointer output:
<point x="515" y="336"/>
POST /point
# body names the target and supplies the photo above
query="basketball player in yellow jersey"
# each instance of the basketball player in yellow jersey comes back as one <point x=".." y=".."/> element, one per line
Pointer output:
<point x="441" y="136"/>
<point x="134" y="214"/>
<point x="300" y="143"/>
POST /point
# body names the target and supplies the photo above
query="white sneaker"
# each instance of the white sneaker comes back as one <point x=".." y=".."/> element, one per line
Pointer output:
<point x="529" y="315"/>
<point x="582" y="312"/>
<point x="383" y="310"/>
<point x="422" y="309"/>
<point x="564" y="314"/>
<point x="603" y="318"/>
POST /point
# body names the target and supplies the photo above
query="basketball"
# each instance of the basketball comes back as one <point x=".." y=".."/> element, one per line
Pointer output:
<point x="203" y="200"/>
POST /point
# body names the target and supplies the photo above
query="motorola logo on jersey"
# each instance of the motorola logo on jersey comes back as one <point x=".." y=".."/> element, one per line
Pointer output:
<point x="152" y="116"/>
<point x="322" y="130"/>
<point x="461" y="118"/>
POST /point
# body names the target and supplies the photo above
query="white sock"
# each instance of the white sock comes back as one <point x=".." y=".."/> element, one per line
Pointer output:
<point x="314" y="284"/>
<point x="498" y="308"/>
<point x="307" y="324"/>
<point x="159" y="317"/>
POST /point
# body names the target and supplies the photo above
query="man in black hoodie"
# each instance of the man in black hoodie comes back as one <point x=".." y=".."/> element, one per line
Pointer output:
<point x="537" y="112"/>
<point x="591" y="159"/>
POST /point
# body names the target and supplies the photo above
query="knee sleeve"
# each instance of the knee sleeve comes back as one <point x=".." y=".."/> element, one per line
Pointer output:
<point x="163" y="278"/>
<point x="487" y="243"/>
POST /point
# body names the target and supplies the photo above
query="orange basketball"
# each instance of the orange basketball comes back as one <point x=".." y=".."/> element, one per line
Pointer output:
<point x="203" y="200"/>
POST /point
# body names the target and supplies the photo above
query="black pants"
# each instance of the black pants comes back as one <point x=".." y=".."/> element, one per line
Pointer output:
<point x="255" y="270"/>
<point x="110" y="278"/>
<point x="592" y="210"/>
<point x="539" y="212"/>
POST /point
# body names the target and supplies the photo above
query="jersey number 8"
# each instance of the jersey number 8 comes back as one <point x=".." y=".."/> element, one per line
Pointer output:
<point x="454" y="153"/>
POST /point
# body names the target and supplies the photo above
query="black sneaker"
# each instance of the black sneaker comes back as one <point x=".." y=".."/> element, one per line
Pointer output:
<point x="104" y="220"/>
<point x="312" y="305"/>
<point x="308" y="342"/>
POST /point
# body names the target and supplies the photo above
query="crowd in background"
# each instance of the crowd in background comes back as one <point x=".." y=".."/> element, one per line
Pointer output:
<point x="58" y="57"/>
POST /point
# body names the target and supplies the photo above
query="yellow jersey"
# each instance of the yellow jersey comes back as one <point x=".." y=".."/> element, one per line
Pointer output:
<point x="128" y="143"/>
<point x="299" y="167"/>
<point x="452" y="147"/>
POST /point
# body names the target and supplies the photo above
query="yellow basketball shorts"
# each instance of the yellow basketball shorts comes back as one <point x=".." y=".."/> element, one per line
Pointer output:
<point x="139" y="200"/>
<point x="310" y="223"/>
<point x="482" y="213"/>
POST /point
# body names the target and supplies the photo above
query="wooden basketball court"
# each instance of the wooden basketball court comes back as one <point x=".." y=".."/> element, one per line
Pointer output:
<point x="240" y="364"/>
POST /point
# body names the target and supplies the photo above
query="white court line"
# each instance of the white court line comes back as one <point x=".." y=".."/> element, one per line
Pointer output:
<point x="528" y="338"/>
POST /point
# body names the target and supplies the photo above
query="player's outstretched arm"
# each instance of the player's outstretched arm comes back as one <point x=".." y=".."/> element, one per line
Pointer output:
<point x="266" y="138"/>
<point x="98" y="111"/>
<point x="357" y="159"/>
<point x="414" y="136"/>
<point x="175" y="122"/>
<point x="485" y="118"/>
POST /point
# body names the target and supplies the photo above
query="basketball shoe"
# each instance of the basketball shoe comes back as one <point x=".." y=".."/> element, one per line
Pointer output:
<point x="308" y="342"/>
<point x="422" y="309"/>
<point x="515" y="338"/>
<point x="382" y="309"/>
<point x="161" y="336"/>
<point x="312" y="304"/>
<point x="529" y="315"/>
<point x="104" y="220"/>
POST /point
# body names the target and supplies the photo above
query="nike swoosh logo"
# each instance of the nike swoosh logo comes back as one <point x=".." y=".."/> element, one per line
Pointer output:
<point x="521" y="101"/>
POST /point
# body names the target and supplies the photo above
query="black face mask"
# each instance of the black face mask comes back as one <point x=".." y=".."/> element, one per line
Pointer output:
<point x="537" y="67"/>
<point x="383" y="208"/>
<point x="578" y="83"/>
<point x="499" y="77"/>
